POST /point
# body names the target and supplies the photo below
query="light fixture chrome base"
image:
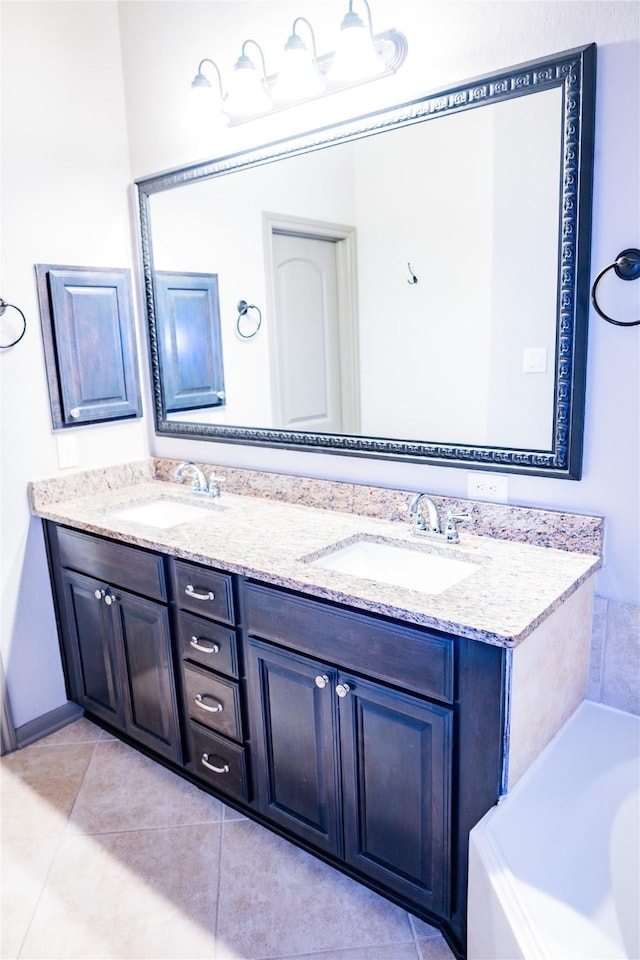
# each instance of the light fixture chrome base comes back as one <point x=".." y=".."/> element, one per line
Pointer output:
<point x="392" y="47"/>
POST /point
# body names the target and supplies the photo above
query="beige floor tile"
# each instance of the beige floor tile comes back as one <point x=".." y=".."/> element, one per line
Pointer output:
<point x="124" y="790"/>
<point x="105" y="735"/>
<point x="276" y="900"/>
<point x="382" y="951"/>
<point x="138" y="874"/>
<point x="38" y="787"/>
<point x="436" y="948"/>
<point x="25" y="865"/>
<point x="422" y="930"/>
<point x="148" y="895"/>
<point x="36" y="762"/>
<point x="80" y="731"/>
<point x="231" y="814"/>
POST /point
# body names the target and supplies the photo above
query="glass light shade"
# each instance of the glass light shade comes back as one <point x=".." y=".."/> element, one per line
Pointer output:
<point x="298" y="77"/>
<point x="203" y="108"/>
<point x="247" y="94"/>
<point x="356" y="57"/>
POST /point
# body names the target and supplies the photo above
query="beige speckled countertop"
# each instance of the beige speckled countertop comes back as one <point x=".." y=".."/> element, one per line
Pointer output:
<point x="516" y="586"/>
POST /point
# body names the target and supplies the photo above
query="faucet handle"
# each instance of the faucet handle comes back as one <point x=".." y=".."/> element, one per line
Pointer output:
<point x="450" y="530"/>
<point x="214" y="486"/>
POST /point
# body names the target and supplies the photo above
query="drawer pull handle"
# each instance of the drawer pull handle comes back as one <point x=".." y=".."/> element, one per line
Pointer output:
<point x="210" y="766"/>
<point x="343" y="689"/>
<point x="191" y="591"/>
<point x="198" y="646"/>
<point x="210" y="708"/>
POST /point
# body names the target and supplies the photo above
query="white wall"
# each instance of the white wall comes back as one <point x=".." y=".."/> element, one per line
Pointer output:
<point x="65" y="174"/>
<point x="65" y="181"/>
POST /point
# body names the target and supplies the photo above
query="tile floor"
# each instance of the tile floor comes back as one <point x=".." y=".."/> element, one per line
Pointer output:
<point x="105" y="854"/>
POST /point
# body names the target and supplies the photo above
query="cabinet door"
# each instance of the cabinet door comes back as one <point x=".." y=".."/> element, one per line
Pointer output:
<point x="189" y="340"/>
<point x="295" y="738"/>
<point x="90" y="645"/>
<point x="90" y="345"/>
<point x="396" y="770"/>
<point x="151" y="711"/>
<point x="118" y="648"/>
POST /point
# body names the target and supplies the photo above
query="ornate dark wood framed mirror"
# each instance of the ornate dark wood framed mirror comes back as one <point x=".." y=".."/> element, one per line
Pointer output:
<point x="453" y="327"/>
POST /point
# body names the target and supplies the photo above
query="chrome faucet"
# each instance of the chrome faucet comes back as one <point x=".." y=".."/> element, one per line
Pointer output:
<point x="431" y="526"/>
<point x="199" y="484"/>
<point x="416" y="513"/>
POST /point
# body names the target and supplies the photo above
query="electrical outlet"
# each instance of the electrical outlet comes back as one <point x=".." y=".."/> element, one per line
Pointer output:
<point x="485" y="487"/>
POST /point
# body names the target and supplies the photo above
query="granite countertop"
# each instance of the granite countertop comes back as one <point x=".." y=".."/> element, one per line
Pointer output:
<point x="515" y="588"/>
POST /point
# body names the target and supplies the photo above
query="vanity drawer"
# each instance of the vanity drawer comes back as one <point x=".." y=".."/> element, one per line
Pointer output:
<point x="219" y="762"/>
<point x="414" y="659"/>
<point x="203" y="590"/>
<point x="213" y="701"/>
<point x="136" y="570"/>
<point x="208" y="644"/>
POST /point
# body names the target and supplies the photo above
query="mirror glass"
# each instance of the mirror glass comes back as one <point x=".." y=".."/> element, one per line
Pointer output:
<point x="418" y="275"/>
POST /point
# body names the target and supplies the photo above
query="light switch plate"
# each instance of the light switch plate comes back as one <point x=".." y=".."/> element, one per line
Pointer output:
<point x="534" y="360"/>
<point x="67" y="451"/>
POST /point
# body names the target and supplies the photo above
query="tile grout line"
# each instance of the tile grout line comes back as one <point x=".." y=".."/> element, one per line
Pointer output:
<point x="216" y="925"/>
<point x="84" y="775"/>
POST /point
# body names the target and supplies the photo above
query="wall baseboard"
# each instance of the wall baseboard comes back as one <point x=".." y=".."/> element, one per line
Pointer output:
<point x="47" y="723"/>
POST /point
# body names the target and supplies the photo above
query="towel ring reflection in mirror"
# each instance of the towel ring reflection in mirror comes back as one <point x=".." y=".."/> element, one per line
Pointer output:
<point x="627" y="267"/>
<point x="255" y="322"/>
<point x="11" y="306"/>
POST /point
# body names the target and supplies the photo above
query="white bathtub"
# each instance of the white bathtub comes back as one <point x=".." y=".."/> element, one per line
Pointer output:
<point x="554" y="869"/>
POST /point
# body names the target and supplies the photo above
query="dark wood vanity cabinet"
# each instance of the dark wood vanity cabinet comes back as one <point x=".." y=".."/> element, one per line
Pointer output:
<point x="117" y="642"/>
<point x="373" y="743"/>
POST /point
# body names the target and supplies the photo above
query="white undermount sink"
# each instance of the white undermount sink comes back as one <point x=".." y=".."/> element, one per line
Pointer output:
<point x="163" y="513"/>
<point x="394" y="564"/>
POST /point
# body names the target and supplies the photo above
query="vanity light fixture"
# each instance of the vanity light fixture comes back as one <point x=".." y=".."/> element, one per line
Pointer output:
<point x="299" y="77"/>
<point x="249" y="92"/>
<point x="360" y="56"/>
<point x="205" y="104"/>
<point x="356" y="57"/>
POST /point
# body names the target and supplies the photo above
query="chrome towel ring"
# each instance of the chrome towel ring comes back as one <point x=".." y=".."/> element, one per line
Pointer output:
<point x="11" y="306"/>
<point x="627" y="267"/>
<point x="254" y="322"/>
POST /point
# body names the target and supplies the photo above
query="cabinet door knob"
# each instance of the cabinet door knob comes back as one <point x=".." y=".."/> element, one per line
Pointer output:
<point x="322" y="681"/>
<point x="110" y="598"/>
<point x="209" y="707"/>
<point x="191" y="591"/>
<point x="210" y="766"/>
<point x="74" y="412"/>
<point x="343" y="689"/>
<point x="99" y="594"/>
<point x="214" y="648"/>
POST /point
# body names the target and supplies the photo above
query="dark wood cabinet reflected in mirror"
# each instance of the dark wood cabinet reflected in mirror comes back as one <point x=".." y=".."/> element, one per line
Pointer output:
<point x="422" y="272"/>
